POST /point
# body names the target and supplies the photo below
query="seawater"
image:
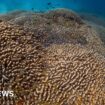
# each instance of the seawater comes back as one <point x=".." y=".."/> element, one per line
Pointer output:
<point x="88" y="6"/>
<point x="91" y="10"/>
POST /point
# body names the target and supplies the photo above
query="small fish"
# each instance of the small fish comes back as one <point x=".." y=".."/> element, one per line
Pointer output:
<point x="49" y="3"/>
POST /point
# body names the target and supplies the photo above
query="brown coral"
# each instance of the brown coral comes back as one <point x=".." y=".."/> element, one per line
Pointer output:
<point x="21" y="59"/>
<point x="58" y="75"/>
<point x="76" y="75"/>
<point x="59" y="26"/>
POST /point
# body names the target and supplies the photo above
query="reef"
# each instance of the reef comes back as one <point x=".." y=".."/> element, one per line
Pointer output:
<point x="76" y="75"/>
<point x="55" y="60"/>
<point x="57" y="27"/>
<point x="21" y="59"/>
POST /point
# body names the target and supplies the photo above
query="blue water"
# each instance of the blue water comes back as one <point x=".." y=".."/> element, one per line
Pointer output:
<point x="90" y="6"/>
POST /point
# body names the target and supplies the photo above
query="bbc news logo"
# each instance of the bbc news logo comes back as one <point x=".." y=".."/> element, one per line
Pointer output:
<point x="6" y="93"/>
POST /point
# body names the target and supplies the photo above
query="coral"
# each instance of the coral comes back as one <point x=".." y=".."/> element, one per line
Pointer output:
<point x="64" y="74"/>
<point x="21" y="60"/>
<point x="101" y="31"/>
<point x="57" y="27"/>
<point x="12" y="15"/>
<point x="76" y="76"/>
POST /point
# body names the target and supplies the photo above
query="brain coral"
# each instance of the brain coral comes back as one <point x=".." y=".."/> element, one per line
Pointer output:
<point x="21" y="60"/>
<point x="59" y="26"/>
<point x="56" y="75"/>
<point x="76" y="75"/>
